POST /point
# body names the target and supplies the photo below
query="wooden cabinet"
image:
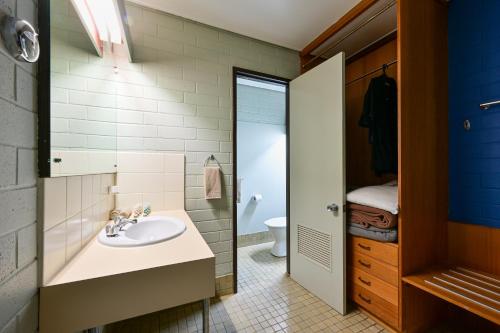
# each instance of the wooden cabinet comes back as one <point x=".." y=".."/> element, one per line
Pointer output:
<point x="373" y="281"/>
<point x="376" y="268"/>
<point x="383" y="252"/>
<point x="375" y="304"/>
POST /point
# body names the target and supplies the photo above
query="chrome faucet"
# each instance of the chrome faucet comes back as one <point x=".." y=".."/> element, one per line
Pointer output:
<point x="118" y="224"/>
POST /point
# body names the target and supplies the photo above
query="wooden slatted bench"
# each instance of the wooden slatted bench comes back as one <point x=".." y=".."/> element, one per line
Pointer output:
<point x="469" y="289"/>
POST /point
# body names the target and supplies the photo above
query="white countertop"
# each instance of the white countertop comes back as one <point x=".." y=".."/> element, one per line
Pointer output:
<point x="96" y="260"/>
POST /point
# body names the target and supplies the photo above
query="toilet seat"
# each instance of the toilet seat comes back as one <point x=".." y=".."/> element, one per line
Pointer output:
<point x="276" y="222"/>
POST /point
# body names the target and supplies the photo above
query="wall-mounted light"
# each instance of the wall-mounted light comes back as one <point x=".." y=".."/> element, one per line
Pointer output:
<point x="104" y="22"/>
<point x="20" y="38"/>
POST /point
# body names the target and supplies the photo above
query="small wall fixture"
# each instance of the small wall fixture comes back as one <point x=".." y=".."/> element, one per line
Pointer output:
<point x="20" y="38"/>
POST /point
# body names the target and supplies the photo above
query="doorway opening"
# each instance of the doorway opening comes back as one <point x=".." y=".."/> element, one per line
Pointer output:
<point x="260" y="173"/>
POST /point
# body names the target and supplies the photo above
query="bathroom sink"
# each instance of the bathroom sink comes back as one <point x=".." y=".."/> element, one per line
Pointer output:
<point x="147" y="230"/>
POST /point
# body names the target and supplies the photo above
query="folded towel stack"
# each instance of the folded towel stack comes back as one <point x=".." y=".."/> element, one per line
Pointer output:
<point x="372" y="212"/>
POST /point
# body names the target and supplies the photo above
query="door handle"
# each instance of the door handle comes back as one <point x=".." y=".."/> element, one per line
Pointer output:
<point x="368" y="283"/>
<point x="366" y="299"/>
<point x="365" y="264"/>
<point x="332" y="208"/>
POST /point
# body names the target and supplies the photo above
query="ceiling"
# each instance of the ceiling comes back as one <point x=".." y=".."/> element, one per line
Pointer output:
<point x="289" y="23"/>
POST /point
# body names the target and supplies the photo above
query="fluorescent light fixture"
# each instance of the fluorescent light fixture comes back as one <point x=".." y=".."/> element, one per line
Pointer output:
<point x="261" y="84"/>
<point x="106" y="19"/>
<point x="101" y="19"/>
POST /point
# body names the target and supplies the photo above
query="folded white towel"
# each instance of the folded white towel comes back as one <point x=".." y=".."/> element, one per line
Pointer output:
<point x="212" y="183"/>
<point x="382" y="197"/>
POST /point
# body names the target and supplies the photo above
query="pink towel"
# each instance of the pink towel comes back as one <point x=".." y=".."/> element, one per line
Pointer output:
<point x="212" y="183"/>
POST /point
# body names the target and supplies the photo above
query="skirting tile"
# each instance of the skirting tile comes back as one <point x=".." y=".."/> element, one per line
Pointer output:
<point x="254" y="239"/>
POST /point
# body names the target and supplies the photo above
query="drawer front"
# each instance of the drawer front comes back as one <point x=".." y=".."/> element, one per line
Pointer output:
<point x="385" y="252"/>
<point x="376" y="305"/>
<point x="375" y="285"/>
<point x="374" y="267"/>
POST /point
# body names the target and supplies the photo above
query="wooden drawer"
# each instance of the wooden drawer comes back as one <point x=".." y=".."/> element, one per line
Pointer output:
<point x="375" y="285"/>
<point x="374" y="267"/>
<point x="386" y="252"/>
<point x="374" y="304"/>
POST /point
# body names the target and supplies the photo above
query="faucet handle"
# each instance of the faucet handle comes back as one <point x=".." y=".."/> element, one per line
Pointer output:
<point x="117" y="219"/>
<point x="111" y="231"/>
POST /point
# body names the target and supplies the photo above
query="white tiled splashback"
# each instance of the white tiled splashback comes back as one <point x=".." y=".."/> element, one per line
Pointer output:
<point x="156" y="178"/>
<point x="74" y="209"/>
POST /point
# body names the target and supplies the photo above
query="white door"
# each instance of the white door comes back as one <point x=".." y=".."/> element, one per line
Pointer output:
<point x="317" y="182"/>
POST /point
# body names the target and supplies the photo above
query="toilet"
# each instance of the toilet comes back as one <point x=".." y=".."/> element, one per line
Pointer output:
<point x="277" y="227"/>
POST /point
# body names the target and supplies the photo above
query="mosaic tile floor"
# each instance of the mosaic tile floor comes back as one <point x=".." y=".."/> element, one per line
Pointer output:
<point x="267" y="301"/>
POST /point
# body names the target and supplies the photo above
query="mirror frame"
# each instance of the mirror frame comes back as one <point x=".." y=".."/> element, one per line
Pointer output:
<point x="44" y="89"/>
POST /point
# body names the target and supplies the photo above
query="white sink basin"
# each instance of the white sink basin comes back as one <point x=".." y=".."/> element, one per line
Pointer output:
<point x="147" y="230"/>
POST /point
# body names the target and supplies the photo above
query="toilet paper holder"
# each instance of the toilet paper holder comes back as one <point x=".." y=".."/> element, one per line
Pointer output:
<point x="257" y="197"/>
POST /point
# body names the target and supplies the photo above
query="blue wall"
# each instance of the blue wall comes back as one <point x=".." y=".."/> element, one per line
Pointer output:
<point x="474" y="78"/>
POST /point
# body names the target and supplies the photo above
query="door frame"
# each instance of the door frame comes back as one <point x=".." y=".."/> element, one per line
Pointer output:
<point x="241" y="72"/>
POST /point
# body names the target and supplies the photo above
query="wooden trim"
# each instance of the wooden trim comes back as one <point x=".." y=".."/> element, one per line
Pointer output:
<point x="423" y="151"/>
<point x="237" y="71"/>
<point x="44" y="89"/>
<point x="337" y="26"/>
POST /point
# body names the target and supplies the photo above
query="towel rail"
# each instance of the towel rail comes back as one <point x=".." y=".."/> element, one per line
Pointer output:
<point x="211" y="158"/>
<point x="486" y="106"/>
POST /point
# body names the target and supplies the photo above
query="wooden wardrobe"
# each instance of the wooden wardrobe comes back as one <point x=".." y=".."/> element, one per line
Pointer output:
<point x="426" y="238"/>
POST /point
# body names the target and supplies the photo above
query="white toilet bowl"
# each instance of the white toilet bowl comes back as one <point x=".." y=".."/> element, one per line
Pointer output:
<point x="277" y="227"/>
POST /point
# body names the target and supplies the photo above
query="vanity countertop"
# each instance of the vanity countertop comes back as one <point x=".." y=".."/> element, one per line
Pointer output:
<point x="97" y="260"/>
<point x="108" y="284"/>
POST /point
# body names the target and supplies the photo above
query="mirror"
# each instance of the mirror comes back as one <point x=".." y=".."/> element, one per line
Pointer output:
<point x="79" y="93"/>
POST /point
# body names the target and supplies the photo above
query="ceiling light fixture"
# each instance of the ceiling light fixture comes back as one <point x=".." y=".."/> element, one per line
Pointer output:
<point x="102" y="21"/>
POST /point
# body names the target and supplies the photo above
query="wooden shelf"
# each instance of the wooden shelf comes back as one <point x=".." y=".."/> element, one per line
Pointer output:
<point x="469" y="289"/>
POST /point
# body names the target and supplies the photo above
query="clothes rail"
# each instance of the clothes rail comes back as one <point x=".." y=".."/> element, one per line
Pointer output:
<point x="382" y="68"/>
<point x="371" y="18"/>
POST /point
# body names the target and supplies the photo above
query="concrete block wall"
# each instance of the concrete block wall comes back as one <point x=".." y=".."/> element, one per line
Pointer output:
<point x="175" y="97"/>
<point x="18" y="173"/>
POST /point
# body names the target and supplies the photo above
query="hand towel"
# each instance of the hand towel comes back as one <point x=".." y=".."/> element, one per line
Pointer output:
<point x="212" y="183"/>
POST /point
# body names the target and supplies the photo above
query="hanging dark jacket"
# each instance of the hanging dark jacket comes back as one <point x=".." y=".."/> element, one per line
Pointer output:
<point x="380" y="116"/>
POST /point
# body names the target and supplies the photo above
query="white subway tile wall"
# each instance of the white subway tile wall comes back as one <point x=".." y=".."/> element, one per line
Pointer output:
<point x="155" y="178"/>
<point x="18" y="173"/>
<point x="175" y="97"/>
<point x="74" y="209"/>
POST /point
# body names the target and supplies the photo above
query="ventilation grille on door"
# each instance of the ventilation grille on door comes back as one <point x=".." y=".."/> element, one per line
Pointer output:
<point x="315" y="245"/>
